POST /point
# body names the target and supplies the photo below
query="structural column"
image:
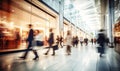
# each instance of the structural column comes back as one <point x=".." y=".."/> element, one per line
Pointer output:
<point x="103" y="12"/>
<point x="111" y="21"/>
<point x="61" y="15"/>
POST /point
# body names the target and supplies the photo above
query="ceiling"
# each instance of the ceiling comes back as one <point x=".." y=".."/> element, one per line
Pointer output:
<point x="85" y="11"/>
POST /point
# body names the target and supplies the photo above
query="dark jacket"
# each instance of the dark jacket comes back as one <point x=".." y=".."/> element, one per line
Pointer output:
<point x="101" y="38"/>
<point x="30" y="35"/>
<point x="51" y="38"/>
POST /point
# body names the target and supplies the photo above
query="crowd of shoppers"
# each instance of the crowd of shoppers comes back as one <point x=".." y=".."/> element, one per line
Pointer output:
<point x="35" y="38"/>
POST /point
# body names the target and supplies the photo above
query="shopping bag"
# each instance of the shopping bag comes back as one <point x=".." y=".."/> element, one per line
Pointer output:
<point x="40" y="43"/>
<point x="55" y="47"/>
<point x="99" y="49"/>
<point x="34" y="45"/>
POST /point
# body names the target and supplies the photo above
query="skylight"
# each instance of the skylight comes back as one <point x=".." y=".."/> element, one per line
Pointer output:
<point x="87" y="12"/>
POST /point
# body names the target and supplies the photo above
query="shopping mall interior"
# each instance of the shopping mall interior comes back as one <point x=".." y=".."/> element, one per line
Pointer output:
<point x="82" y="18"/>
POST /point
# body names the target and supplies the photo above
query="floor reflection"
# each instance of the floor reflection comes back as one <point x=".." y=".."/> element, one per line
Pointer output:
<point x="83" y="58"/>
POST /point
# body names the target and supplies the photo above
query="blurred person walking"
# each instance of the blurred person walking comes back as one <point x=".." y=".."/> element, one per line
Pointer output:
<point x="81" y="41"/>
<point x="68" y="40"/>
<point x="58" y="40"/>
<point x="86" y="41"/>
<point x="51" y="42"/>
<point x="101" y="40"/>
<point x="17" y="38"/>
<point x="92" y="41"/>
<point x="29" y="40"/>
<point x="73" y="41"/>
<point x="38" y="38"/>
<point x="61" y="41"/>
<point x="76" y="41"/>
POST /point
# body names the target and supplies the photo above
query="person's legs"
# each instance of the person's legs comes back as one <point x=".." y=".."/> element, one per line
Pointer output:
<point x="102" y="49"/>
<point x="81" y="43"/>
<point x="48" y="49"/>
<point x="26" y="52"/>
<point x="77" y="44"/>
<point x="61" y="44"/>
<point x="53" y="51"/>
<point x="52" y="48"/>
<point x="68" y="50"/>
<point x="36" y="55"/>
<point x="86" y="43"/>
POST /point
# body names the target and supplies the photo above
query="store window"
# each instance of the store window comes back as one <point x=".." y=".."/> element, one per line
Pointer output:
<point x="14" y="18"/>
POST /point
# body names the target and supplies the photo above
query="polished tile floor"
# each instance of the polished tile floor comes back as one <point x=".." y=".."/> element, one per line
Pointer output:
<point x="83" y="58"/>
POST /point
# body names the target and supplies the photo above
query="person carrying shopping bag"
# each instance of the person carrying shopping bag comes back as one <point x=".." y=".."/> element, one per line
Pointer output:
<point x="101" y="41"/>
<point x="51" y="42"/>
<point x="38" y="39"/>
<point x="29" y="41"/>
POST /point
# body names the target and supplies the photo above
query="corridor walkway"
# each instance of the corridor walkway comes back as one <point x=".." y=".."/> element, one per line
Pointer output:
<point x="83" y="58"/>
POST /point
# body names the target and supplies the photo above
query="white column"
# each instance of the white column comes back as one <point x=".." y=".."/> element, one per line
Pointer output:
<point x="61" y="15"/>
<point x="111" y="20"/>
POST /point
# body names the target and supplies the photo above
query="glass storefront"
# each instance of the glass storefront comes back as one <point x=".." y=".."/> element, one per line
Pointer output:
<point x="117" y="21"/>
<point x="14" y="18"/>
<point x="16" y="15"/>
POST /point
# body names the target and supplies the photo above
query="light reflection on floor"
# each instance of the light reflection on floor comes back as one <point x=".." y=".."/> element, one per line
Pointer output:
<point x="83" y="58"/>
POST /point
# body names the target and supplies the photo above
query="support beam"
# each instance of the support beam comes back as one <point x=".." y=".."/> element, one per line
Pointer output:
<point x="61" y="15"/>
<point x="111" y="21"/>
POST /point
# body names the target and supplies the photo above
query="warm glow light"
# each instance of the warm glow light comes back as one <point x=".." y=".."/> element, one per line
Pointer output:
<point x="11" y="25"/>
<point x="13" y="10"/>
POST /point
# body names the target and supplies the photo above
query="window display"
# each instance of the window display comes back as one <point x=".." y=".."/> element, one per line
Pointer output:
<point x="14" y="18"/>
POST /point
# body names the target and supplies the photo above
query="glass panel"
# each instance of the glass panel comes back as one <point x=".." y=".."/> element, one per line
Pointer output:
<point x="14" y="19"/>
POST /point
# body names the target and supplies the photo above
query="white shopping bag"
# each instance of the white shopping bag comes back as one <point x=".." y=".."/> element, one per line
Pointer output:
<point x="34" y="45"/>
